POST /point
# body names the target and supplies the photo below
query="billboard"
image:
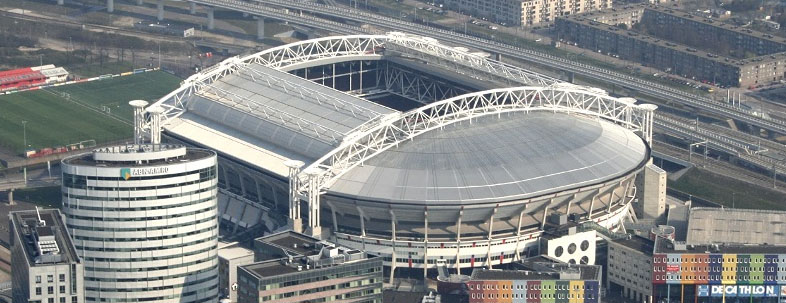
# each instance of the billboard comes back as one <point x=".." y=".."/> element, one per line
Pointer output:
<point x="770" y="291"/>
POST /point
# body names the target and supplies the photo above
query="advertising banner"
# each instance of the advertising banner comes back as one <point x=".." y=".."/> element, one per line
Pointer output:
<point x="769" y="291"/>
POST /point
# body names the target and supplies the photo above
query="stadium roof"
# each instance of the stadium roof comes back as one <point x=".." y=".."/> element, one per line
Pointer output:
<point x="265" y="116"/>
<point x="736" y="226"/>
<point x="517" y="156"/>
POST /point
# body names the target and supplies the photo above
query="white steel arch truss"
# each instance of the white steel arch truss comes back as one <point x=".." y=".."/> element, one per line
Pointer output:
<point x="341" y="48"/>
<point x="378" y="135"/>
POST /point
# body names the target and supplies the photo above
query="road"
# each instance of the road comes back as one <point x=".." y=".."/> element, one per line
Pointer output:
<point x="35" y="178"/>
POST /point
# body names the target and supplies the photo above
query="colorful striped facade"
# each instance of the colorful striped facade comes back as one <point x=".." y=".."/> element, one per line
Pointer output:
<point x="534" y="291"/>
<point x="699" y="269"/>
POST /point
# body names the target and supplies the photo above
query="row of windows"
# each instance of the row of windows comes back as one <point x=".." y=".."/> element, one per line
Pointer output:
<point x="157" y="288"/>
<point x="155" y="207"/>
<point x="139" y="219"/>
<point x="136" y="249"/>
<point x="50" y="278"/>
<point x="531" y="296"/>
<point x="725" y="268"/>
<point x="176" y="236"/>
<point x="300" y="292"/>
<point x="144" y="269"/>
<point x="78" y="182"/>
<point x="720" y="260"/>
<point x="529" y="287"/>
<point x="716" y="278"/>
<point x="203" y="292"/>
<point x="121" y="229"/>
<point x="62" y="300"/>
<point x="81" y="179"/>
<point x="177" y="256"/>
<point x="146" y="198"/>
<point x="50" y="290"/>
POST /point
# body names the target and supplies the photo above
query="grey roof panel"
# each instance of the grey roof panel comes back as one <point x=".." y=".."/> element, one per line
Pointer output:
<point x="516" y="156"/>
<point x="248" y="92"/>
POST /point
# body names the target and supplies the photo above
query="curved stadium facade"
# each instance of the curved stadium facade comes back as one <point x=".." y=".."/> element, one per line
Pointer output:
<point x="409" y="148"/>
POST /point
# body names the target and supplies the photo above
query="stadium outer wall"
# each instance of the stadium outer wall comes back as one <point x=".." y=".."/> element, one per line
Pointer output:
<point x="448" y="238"/>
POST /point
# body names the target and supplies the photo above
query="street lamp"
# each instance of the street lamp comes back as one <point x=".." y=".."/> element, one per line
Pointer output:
<point x="24" y="134"/>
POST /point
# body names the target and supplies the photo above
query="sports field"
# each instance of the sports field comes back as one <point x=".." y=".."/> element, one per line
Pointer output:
<point x="67" y="114"/>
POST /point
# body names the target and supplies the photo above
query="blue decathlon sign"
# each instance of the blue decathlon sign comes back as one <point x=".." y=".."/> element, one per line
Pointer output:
<point x="740" y="290"/>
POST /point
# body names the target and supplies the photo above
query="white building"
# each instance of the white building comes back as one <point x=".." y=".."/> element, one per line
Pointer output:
<point x="44" y="263"/>
<point x="630" y="267"/>
<point x="229" y="258"/>
<point x="525" y="12"/>
<point x="143" y="218"/>
<point x="570" y="246"/>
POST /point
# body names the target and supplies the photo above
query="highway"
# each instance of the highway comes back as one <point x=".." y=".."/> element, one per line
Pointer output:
<point x="262" y="8"/>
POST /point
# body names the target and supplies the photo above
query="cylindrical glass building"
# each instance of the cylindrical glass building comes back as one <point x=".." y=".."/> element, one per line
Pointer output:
<point x="143" y="218"/>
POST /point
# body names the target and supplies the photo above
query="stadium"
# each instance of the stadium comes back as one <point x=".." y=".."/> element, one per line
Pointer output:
<point x="403" y="146"/>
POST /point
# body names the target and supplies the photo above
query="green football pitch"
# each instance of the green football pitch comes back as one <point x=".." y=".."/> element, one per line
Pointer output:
<point x="66" y="114"/>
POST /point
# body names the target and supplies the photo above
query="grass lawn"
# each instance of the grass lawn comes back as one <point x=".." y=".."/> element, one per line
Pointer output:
<point x="72" y="113"/>
<point x="48" y="197"/>
<point x="728" y="191"/>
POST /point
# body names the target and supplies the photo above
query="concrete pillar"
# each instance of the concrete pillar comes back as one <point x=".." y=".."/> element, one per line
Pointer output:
<point x="110" y="6"/>
<point x="425" y="243"/>
<point x="393" y="242"/>
<point x="210" y="20"/>
<point x="260" y="28"/>
<point x="11" y="197"/>
<point x="192" y="8"/>
<point x="160" y="7"/>
<point x="458" y="240"/>
<point x="498" y="57"/>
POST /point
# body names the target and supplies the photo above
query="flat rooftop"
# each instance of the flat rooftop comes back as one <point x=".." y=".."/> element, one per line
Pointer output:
<point x="270" y="268"/>
<point x="279" y="267"/>
<point x="292" y="242"/>
<point x="156" y="156"/>
<point x="736" y="226"/>
<point x="25" y="224"/>
<point x="528" y="270"/>
<point x="667" y="247"/>
<point x="678" y="218"/>
<point x="234" y="252"/>
<point x="638" y="244"/>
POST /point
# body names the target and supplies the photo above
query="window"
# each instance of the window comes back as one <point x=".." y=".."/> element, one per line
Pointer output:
<point x="38" y="291"/>
<point x="74" y="299"/>
<point x="62" y="289"/>
<point x="62" y="300"/>
<point x="50" y="278"/>
<point x="50" y="290"/>
<point x="62" y="278"/>
<point x="51" y="300"/>
<point x="37" y="279"/>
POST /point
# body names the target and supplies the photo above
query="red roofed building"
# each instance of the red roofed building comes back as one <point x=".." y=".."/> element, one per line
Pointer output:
<point x="22" y="77"/>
